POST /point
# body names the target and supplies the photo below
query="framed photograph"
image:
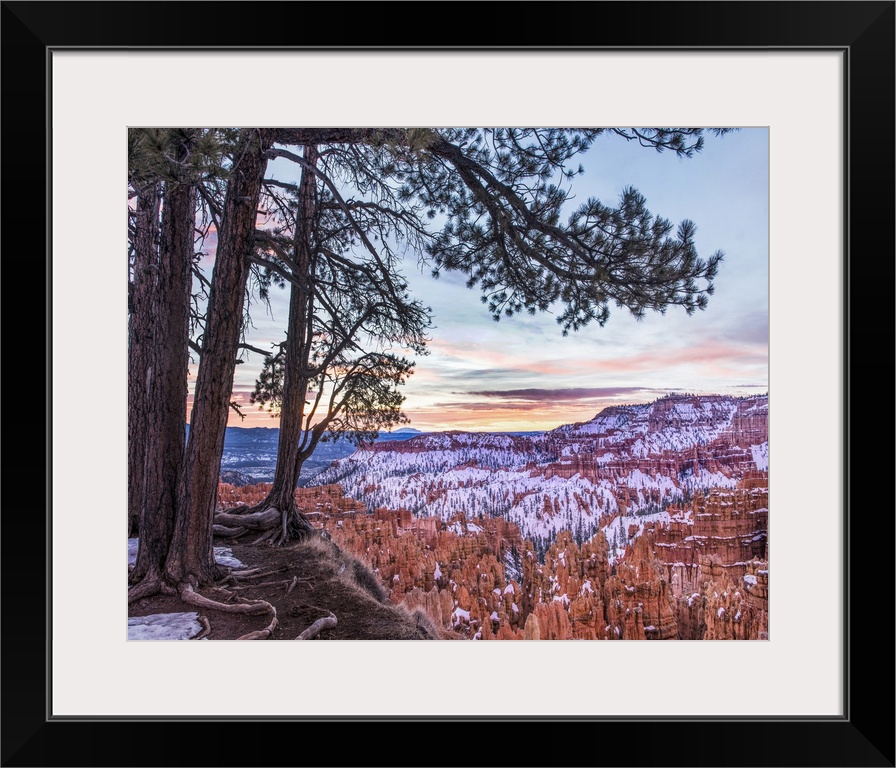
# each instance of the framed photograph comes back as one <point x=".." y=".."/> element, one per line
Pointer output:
<point x="814" y="81"/>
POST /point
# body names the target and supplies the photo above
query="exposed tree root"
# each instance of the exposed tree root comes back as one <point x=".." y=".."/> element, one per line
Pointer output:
<point x="282" y="582"/>
<point x="255" y="521"/>
<point x="244" y="587"/>
<point x="284" y="526"/>
<point x="228" y="533"/>
<point x="206" y="628"/>
<point x="315" y="629"/>
<point x="253" y="608"/>
<point x="295" y="581"/>
<point x="261" y="634"/>
<point x="267" y="536"/>
<point x="226" y="594"/>
<point x="244" y="573"/>
<point x="277" y="525"/>
<point x="151" y="585"/>
<point x="256" y="573"/>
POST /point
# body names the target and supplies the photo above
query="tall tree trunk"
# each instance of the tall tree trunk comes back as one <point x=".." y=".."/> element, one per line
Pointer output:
<point x="190" y="556"/>
<point x="140" y="339"/>
<point x="296" y="362"/>
<point x="168" y="391"/>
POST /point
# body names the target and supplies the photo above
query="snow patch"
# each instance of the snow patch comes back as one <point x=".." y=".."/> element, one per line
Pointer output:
<point x="164" y="626"/>
<point x="224" y="556"/>
<point x="562" y="599"/>
<point x="760" y="456"/>
<point x="460" y="616"/>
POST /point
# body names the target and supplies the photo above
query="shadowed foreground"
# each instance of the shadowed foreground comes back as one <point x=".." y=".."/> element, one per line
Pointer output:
<point x="308" y="583"/>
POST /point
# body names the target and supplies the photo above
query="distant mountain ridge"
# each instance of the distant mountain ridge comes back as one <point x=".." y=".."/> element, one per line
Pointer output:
<point x="252" y="452"/>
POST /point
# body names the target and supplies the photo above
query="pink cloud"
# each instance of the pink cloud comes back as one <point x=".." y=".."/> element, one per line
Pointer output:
<point x="705" y="354"/>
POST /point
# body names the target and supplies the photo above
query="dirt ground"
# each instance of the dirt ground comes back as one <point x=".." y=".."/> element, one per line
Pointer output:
<point x="304" y="582"/>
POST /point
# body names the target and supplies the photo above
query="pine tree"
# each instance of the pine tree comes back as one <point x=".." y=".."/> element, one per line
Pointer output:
<point x="348" y="310"/>
<point x="165" y="168"/>
<point x="143" y="225"/>
<point x="190" y="557"/>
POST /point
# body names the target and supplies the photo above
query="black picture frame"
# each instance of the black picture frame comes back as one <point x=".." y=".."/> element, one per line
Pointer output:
<point x="863" y="736"/>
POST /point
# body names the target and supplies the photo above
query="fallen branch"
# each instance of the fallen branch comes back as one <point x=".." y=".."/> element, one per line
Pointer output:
<point x="326" y="622"/>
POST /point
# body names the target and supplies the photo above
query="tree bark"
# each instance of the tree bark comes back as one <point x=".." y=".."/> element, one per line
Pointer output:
<point x="190" y="556"/>
<point x="290" y="457"/>
<point x="140" y="339"/>
<point x="168" y="391"/>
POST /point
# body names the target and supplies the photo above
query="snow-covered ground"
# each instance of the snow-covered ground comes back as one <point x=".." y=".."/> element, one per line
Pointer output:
<point x="164" y="626"/>
<point x="540" y="506"/>
<point x="617" y="531"/>
<point x="450" y="473"/>
<point x="760" y="456"/>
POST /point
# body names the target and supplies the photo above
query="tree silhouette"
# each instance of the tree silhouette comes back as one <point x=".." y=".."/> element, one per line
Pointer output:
<point x="166" y="167"/>
<point x="349" y="310"/>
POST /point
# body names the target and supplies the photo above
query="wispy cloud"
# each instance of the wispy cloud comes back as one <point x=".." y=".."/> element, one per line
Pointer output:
<point x="475" y="405"/>
<point x="547" y="395"/>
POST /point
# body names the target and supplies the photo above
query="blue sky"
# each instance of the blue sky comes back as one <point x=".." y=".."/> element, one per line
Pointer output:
<point x="521" y="373"/>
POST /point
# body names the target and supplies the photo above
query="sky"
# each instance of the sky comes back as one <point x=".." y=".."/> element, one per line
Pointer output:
<point x="521" y="374"/>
